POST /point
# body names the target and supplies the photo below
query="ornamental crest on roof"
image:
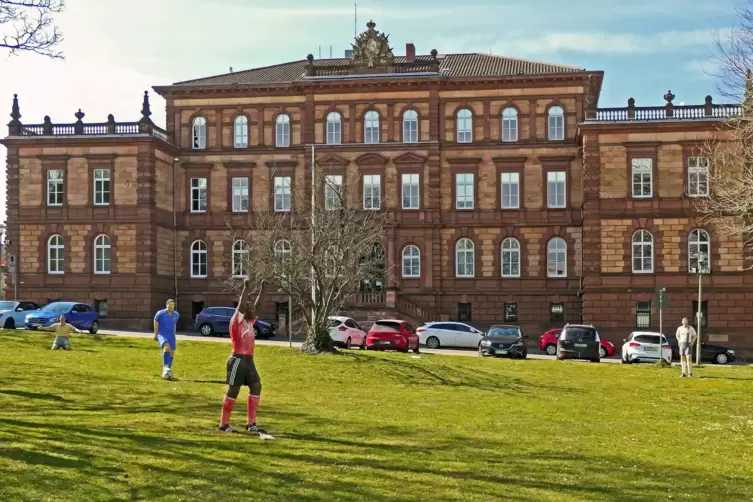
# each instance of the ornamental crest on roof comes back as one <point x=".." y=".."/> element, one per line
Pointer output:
<point x="372" y="47"/>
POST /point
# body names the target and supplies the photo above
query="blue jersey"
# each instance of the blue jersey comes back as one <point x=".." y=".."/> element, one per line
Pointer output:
<point x="167" y="322"/>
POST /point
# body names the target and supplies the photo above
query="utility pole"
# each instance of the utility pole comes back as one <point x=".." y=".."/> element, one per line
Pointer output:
<point x="313" y="236"/>
<point x="661" y="324"/>
<point x="699" y="315"/>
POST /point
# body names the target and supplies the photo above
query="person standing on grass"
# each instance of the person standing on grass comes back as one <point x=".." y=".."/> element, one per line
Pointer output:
<point x="62" y="330"/>
<point x="686" y="340"/>
<point x="165" y="324"/>
<point x="241" y="369"/>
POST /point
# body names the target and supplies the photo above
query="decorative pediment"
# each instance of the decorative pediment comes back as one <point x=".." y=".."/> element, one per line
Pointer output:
<point x="281" y="163"/>
<point x="409" y="158"/>
<point x="509" y="161"/>
<point x="464" y="161"/>
<point x="370" y="159"/>
<point x="241" y="165"/>
<point x="372" y="48"/>
<point x="332" y="160"/>
<point x="563" y="160"/>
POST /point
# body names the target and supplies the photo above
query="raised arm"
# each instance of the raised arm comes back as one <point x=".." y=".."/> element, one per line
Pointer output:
<point x="245" y="293"/>
<point x="53" y="327"/>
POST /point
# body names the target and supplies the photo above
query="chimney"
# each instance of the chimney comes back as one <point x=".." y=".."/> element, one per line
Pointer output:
<point x="410" y="53"/>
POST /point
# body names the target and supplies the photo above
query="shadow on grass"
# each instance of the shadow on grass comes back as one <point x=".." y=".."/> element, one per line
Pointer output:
<point x="32" y="395"/>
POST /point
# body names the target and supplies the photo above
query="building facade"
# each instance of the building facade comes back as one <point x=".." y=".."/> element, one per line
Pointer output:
<point x="510" y="191"/>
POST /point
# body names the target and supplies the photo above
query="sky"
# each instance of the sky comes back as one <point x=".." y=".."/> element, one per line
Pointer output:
<point x="116" y="49"/>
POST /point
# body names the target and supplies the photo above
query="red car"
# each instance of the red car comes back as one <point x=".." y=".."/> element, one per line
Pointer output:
<point x="392" y="334"/>
<point x="548" y="344"/>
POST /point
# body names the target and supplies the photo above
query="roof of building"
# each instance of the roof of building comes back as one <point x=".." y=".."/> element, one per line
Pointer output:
<point x="450" y="65"/>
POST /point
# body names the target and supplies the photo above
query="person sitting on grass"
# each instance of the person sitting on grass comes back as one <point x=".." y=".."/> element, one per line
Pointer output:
<point x="62" y="330"/>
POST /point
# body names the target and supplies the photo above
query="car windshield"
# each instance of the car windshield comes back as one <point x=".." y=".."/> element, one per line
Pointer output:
<point x="504" y="331"/>
<point x="583" y="334"/>
<point x="7" y="305"/>
<point x="58" y="308"/>
<point x="386" y="326"/>
<point x="647" y="339"/>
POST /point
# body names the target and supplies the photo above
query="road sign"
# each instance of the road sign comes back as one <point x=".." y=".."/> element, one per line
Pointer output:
<point x="662" y="298"/>
<point x="12" y="264"/>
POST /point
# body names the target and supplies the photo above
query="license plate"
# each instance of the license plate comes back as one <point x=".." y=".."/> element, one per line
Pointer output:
<point x="581" y="345"/>
<point x="651" y="349"/>
<point x="383" y="343"/>
<point x="502" y="351"/>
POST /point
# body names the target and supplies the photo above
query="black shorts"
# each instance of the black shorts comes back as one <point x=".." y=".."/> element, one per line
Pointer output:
<point x="241" y="370"/>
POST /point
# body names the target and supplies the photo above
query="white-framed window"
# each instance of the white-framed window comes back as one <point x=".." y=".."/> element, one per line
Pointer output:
<point x="333" y="191"/>
<point x="698" y="176"/>
<point x="464" y="258"/>
<point x="55" y="187"/>
<point x="102" y="184"/>
<point x="284" y="254"/>
<point x="556" y="258"/>
<point x="699" y="241"/>
<point x="410" y="189"/>
<point x="198" y="195"/>
<point x="641" y="172"/>
<point x="411" y="261"/>
<point x="510" y="257"/>
<point x="410" y="126"/>
<point x="102" y="255"/>
<point x="465" y="126"/>
<point x="199" y="133"/>
<point x="643" y="252"/>
<point x="556" y="189"/>
<point x="556" y="123"/>
<point x="371" y="127"/>
<point x="199" y="261"/>
<point x="510" y="184"/>
<point x="240" y="259"/>
<point x="282" y="131"/>
<point x="240" y="195"/>
<point x="334" y="128"/>
<point x="464" y="191"/>
<point x="55" y="255"/>
<point x="240" y="131"/>
<point x="372" y="191"/>
<point x="282" y="193"/>
<point x="509" y="124"/>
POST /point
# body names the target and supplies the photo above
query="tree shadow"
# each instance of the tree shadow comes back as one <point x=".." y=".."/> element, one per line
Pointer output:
<point x="33" y="395"/>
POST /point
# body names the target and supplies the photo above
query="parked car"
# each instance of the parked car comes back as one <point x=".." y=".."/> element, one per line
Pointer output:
<point x="579" y="341"/>
<point x="644" y="346"/>
<point x="504" y="340"/>
<point x="13" y="314"/>
<point x="449" y="334"/>
<point x="213" y="321"/>
<point x="548" y="344"/>
<point x="715" y="354"/>
<point x="81" y="315"/>
<point x="345" y="332"/>
<point x="392" y="334"/>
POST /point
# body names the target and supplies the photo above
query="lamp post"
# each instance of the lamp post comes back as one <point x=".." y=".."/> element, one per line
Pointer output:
<point x="700" y="270"/>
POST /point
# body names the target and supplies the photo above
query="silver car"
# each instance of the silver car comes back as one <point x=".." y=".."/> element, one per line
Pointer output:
<point x="449" y="334"/>
<point x="13" y="314"/>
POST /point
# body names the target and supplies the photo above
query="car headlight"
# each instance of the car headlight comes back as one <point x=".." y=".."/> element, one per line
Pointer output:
<point x="731" y="352"/>
<point x="485" y="343"/>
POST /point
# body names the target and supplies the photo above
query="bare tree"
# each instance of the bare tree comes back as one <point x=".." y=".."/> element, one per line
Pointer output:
<point x="318" y="253"/>
<point x="28" y="26"/>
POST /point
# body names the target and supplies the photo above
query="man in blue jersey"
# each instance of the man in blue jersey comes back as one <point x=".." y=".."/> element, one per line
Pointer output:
<point x="165" y="323"/>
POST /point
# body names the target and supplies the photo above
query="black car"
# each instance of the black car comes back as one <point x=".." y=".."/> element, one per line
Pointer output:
<point x="503" y="340"/>
<point x="213" y="321"/>
<point x="579" y="341"/>
<point x="715" y="354"/>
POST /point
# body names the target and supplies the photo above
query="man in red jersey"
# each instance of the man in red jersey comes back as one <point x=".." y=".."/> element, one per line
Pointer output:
<point x="240" y="367"/>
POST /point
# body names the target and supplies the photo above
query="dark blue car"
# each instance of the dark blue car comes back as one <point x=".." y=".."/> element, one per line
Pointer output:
<point x="213" y="321"/>
<point x="80" y="315"/>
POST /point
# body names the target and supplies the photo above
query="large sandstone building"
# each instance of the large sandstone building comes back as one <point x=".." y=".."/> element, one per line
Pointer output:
<point x="515" y="198"/>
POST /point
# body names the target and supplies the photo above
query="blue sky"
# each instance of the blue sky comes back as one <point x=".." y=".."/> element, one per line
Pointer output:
<point x="117" y="49"/>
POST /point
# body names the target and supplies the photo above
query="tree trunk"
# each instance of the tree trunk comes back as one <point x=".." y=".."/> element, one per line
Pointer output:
<point x="318" y="340"/>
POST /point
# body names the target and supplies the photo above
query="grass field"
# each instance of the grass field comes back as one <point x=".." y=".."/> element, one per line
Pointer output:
<point x="98" y="424"/>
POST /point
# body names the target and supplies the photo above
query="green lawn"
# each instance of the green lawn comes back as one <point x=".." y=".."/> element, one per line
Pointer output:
<point x="98" y="424"/>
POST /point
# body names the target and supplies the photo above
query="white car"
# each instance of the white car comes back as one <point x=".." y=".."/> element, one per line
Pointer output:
<point x="449" y="334"/>
<point x="643" y="346"/>
<point x="13" y="314"/>
<point x="345" y="332"/>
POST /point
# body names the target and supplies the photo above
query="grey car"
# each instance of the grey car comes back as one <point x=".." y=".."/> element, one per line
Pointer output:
<point x="504" y="340"/>
<point x="579" y="341"/>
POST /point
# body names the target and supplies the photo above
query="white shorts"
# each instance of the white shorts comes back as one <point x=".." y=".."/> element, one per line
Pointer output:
<point x="685" y="349"/>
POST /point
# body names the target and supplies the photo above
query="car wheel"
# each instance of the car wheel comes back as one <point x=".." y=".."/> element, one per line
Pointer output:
<point x="524" y="354"/>
<point x="206" y="329"/>
<point x="602" y="351"/>
<point x="10" y="324"/>
<point x="551" y="349"/>
<point x="432" y="342"/>
<point x="597" y="360"/>
<point x="347" y="344"/>
<point x="95" y="327"/>
<point x="417" y="350"/>
<point x="721" y="358"/>
<point x="363" y="344"/>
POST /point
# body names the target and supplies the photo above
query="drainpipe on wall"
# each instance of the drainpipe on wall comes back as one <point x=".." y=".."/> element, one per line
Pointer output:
<point x="175" y="235"/>
<point x="582" y="219"/>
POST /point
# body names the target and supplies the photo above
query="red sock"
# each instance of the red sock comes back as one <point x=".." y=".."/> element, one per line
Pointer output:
<point x="227" y="409"/>
<point x="253" y="405"/>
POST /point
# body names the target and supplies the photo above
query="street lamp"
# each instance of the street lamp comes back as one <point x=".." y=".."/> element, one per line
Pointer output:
<point x="701" y="269"/>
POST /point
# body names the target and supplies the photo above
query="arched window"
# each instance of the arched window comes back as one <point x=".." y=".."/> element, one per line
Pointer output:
<point x="283" y="249"/>
<point x="410" y="126"/>
<point x="240" y="259"/>
<point x="465" y="126"/>
<point x="371" y="127"/>
<point x="556" y="123"/>
<point x="643" y="252"/>
<point x="199" y="133"/>
<point x="699" y="243"/>
<point x="55" y="255"/>
<point x="199" y="259"/>
<point x="510" y="258"/>
<point x="240" y="131"/>
<point x="510" y="124"/>
<point x="102" y="258"/>
<point x="411" y="261"/>
<point x="556" y="258"/>
<point x="282" y="131"/>
<point x="464" y="258"/>
<point x="334" y="123"/>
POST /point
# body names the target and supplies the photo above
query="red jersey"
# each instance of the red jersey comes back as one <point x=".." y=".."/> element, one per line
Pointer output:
<point x="242" y="334"/>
